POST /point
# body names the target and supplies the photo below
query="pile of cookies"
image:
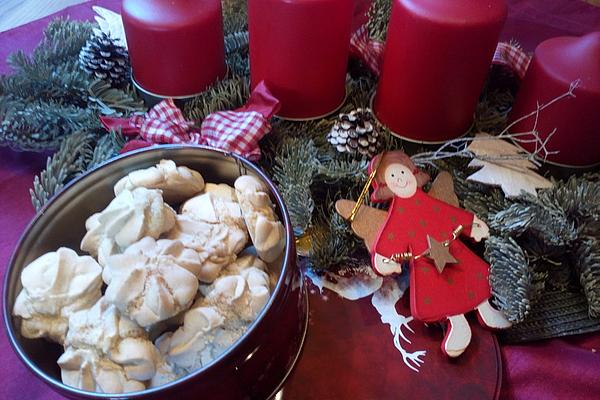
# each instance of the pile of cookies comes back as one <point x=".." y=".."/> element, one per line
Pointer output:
<point x="161" y="293"/>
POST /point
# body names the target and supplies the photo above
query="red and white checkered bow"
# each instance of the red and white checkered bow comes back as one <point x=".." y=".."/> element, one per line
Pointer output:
<point x="370" y="52"/>
<point x="237" y="131"/>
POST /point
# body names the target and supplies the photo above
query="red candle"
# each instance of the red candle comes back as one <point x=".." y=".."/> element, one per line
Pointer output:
<point x="300" y="49"/>
<point x="555" y="65"/>
<point x="176" y="46"/>
<point x="437" y="56"/>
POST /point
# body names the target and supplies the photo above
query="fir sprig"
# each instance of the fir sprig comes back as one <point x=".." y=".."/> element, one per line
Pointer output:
<point x="48" y="97"/>
<point x="586" y="259"/>
<point x="227" y="94"/>
<point x="72" y="158"/>
<point x="108" y="147"/>
<point x="332" y="242"/>
<point x="515" y="285"/>
<point x="294" y="169"/>
<point x="236" y="41"/>
<point x="63" y="39"/>
<point x="39" y="125"/>
<point x="113" y="101"/>
<point x="379" y="16"/>
<point x="235" y="16"/>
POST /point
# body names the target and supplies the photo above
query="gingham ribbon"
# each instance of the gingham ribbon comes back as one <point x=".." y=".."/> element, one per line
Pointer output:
<point x="370" y="52"/>
<point x="236" y="131"/>
<point x="512" y="56"/>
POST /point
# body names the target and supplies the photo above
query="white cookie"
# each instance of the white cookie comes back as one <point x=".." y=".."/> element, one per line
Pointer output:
<point x="131" y="216"/>
<point x="176" y="183"/>
<point x="266" y="231"/>
<point x="54" y="286"/>
<point x="107" y="352"/>
<point x="148" y="289"/>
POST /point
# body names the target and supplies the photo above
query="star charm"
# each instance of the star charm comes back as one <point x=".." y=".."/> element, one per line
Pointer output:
<point x="440" y="254"/>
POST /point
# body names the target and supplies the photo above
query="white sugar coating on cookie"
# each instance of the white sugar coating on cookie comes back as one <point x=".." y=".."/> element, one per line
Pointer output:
<point x="245" y="259"/>
<point x="193" y="344"/>
<point x="212" y="208"/>
<point x="214" y="227"/>
<point x="242" y="296"/>
<point x="148" y="289"/>
<point x="101" y="327"/>
<point x="221" y="314"/>
<point x="129" y="217"/>
<point x="266" y="231"/>
<point x="170" y="251"/>
<point x="54" y="286"/>
<point x="176" y="182"/>
<point x="107" y="352"/>
<point x="85" y="369"/>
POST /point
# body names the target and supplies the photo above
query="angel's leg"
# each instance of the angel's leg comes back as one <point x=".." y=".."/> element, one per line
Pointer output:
<point x="491" y="318"/>
<point x="458" y="336"/>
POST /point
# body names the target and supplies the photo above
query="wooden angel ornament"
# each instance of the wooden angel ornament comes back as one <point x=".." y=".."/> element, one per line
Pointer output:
<point x="422" y="232"/>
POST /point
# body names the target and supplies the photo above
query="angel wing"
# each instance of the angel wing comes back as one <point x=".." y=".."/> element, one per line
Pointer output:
<point x="442" y="189"/>
<point x="369" y="220"/>
<point x="110" y="23"/>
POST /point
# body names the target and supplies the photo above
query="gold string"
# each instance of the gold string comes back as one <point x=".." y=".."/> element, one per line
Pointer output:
<point x="364" y="191"/>
<point x="408" y="256"/>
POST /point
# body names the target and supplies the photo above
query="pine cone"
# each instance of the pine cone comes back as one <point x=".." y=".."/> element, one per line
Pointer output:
<point x="356" y="133"/>
<point x="104" y="59"/>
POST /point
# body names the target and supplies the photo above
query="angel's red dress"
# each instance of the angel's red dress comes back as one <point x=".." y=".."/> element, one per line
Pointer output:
<point x="460" y="287"/>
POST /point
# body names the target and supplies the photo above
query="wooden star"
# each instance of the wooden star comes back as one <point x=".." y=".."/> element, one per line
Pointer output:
<point x="440" y="254"/>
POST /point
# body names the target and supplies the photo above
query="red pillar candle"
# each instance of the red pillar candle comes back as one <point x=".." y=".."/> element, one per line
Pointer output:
<point x="437" y="56"/>
<point x="300" y="49"/>
<point x="557" y="63"/>
<point x="176" y="46"/>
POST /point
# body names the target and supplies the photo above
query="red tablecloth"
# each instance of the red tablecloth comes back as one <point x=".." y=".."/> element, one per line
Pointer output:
<point x="550" y="369"/>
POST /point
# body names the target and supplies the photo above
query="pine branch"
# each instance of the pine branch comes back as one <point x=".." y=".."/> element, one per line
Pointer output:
<point x="313" y="130"/>
<point x="552" y="228"/>
<point x="63" y="39"/>
<point x="39" y="125"/>
<point x="71" y="159"/>
<point x="236" y="53"/>
<point x="492" y="111"/>
<point x="236" y="42"/>
<point x="333" y="170"/>
<point x="52" y="71"/>
<point x="586" y="259"/>
<point x="112" y="101"/>
<point x="227" y="94"/>
<point x="379" y="16"/>
<point x="578" y="199"/>
<point x="359" y="91"/>
<point x="239" y="64"/>
<point x="64" y="83"/>
<point x="332" y="242"/>
<point x="235" y="16"/>
<point x="514" y="285"/>
<point x="46" y="98"/>
<point x="294" y="169"/>
<point x="108" y="147"/>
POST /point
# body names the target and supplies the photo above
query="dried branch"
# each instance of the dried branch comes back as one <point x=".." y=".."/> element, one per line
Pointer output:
<point x="459" y="147"/>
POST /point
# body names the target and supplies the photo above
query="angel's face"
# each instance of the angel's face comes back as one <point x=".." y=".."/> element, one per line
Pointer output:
<point x="400" y="180"/>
